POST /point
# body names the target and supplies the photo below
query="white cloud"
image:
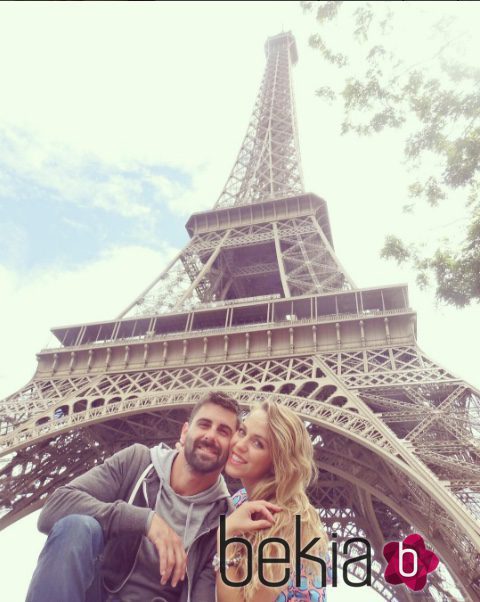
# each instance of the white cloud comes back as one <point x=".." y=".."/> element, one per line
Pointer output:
<point x="29" y="307"/>
<point x="122" y="195"/>
<point x="37" y="167"/>
<point x="149" y="87"/>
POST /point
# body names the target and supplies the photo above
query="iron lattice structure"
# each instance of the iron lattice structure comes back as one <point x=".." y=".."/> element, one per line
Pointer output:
<point x="258" y="304"/>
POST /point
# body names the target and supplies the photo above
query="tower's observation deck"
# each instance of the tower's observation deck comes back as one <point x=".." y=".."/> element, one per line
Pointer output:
<point x="276" y="44"/>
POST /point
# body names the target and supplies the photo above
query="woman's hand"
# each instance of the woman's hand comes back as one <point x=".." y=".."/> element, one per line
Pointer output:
<point x="251" y="516"/>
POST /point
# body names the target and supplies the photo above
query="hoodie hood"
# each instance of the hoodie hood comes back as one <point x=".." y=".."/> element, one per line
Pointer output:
<point x="189" y="514"/>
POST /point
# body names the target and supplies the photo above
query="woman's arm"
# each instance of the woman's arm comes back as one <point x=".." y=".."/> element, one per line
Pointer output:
<point x="225" y="593"/>
<point x="250" y="516"/>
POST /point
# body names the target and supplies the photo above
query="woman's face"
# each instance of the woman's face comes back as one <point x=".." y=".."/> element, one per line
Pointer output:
<point x="250" y="456"/>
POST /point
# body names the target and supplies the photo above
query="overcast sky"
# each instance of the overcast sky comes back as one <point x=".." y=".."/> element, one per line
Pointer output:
<point x="117" y="120"/>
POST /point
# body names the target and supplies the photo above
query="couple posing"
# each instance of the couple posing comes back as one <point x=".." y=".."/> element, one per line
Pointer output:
<point x="144" y="525"/>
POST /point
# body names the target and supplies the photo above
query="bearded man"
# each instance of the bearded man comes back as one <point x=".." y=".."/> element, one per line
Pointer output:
<point x="121" y="532"/>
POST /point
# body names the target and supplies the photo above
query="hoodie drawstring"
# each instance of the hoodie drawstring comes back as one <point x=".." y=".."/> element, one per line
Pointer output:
<point x="187" y="521"/>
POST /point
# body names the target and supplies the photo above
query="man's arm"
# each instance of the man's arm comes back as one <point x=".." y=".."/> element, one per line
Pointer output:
<point x="203" y="586"/>
<point x="101" y="493"/>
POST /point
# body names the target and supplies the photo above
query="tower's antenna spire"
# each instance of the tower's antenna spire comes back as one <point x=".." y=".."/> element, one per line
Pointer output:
<point x="268" y="164"/>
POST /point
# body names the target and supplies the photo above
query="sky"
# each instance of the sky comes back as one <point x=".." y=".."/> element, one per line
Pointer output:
<point x="117" y="120"/>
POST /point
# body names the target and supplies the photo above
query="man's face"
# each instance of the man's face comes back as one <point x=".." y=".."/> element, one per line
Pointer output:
<point x="206" y="439"/>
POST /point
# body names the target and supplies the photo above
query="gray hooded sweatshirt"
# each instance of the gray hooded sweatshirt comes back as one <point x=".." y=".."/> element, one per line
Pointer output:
<point x="121" y="494"/>
<point x="184" y="514"/>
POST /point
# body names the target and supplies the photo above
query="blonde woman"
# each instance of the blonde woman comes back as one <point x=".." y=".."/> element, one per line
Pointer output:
<point x="272" y="455"/>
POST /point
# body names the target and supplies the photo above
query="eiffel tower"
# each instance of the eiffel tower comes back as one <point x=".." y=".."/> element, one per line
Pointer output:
<point x="258" y="304"/>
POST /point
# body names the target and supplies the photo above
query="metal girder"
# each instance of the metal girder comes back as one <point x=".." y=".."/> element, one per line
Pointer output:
<point x="268" y="164"/>
<point x="300" y="258"/>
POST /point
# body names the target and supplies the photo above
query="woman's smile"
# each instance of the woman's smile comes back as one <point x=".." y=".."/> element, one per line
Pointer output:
<point x="236" y="459"/>
<point x="250" y="456"/>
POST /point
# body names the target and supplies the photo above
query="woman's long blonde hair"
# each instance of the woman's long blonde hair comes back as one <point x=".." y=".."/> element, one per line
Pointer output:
<point x="293" y="470"/>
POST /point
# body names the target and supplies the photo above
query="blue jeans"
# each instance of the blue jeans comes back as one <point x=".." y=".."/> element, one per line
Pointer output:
<point x="68" y="567"/>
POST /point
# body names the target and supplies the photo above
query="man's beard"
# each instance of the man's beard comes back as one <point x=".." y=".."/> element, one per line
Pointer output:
<point x="198" y="461"/>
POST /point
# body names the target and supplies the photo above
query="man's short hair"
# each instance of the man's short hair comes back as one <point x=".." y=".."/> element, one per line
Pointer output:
<point x="220" y="399"/>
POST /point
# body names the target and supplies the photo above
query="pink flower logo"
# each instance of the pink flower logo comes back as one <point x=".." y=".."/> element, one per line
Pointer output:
<point x="409" y="562"/>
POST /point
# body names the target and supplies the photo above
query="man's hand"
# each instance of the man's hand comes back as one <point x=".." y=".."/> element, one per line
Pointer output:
<point x="173" y="559"/>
